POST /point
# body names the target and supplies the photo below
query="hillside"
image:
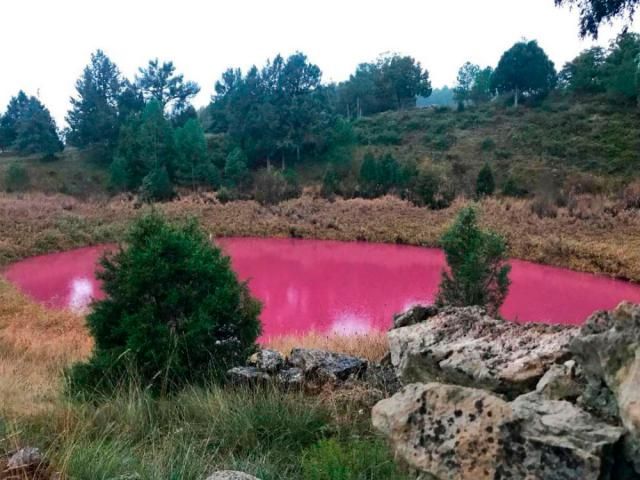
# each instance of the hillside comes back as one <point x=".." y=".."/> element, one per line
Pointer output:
<point x="551" y="141"/>
<point x="549" y="146"/>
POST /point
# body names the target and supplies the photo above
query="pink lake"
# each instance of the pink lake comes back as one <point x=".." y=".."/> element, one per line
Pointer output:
<point x="339" y="287"/>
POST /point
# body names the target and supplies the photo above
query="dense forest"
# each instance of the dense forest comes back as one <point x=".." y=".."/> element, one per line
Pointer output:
<point x="262" y="125"/>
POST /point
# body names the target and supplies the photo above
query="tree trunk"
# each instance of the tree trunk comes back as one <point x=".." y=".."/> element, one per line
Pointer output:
<point x="298" y="153"/>
<point x="268" y="164"/>
<point x="515" y="98"/>
<point x="282" y="159"/>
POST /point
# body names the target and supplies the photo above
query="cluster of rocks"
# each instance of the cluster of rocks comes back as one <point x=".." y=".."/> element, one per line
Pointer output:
<point x="312" y="369"/>
<point x="489" y="399"/>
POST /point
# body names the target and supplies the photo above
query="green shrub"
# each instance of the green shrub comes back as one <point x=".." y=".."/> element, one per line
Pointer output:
<point x="174" y="312"/>
<point x="512" y="188"/>
<point x="271" y="187"/>
<point x="432" y="189"/>
<point x="485" y="184"/>
<point x="478" y="274"/>
<point x="488" y="144"/>
<point x="352" y="460"/>
<point x="16" y="178"/>
<point x="156" y="186"/>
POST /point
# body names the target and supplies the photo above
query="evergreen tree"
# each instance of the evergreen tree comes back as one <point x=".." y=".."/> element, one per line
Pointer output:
<point x="94" y="118"/>
<point x="236" y="172"/>
<point x="524" y="69"/>
<point x="621" y="70"/>
<point x="595" y="12"/>
<point x="35" y="130"/>
<point x="485" y="183"/>
<point x="478" y="273"/>
<point x="466" y="79"/>
<point x="146" y="144"/>
<point x="192" y="163"/>
<point x="174" y="312"/>
<point x="585" y="73"/>
<point x="159" y="81"/>
<point x="8" y="122"/>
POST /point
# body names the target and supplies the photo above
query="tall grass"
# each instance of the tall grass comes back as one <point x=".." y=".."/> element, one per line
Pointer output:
<point x="268" y="433"/>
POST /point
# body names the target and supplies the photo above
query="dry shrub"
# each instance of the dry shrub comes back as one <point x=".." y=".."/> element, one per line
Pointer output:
<point x="631" y="195"/>
<point x="580" y="183"/>
<point x="544" y="207"/>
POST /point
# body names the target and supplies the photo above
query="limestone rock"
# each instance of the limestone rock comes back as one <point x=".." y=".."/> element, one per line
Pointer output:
<point x="231" y="475"/>
<point x="414" y="315"/>
<point x="267" y="360"/>
<point x="247" y="376"/>
<point x="465" y="346"/>
<point x="326" y="366"/>
<point x="290" y="378"/>
<point x="459" y="433"/>
<point x="561" y="382"/>
<point x="608" y="351"/>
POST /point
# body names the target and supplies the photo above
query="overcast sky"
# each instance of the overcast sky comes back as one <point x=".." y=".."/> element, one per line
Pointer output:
<point x="45" y="44"/>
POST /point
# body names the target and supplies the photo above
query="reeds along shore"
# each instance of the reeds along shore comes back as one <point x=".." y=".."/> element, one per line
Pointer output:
<point x="589" y="233"/>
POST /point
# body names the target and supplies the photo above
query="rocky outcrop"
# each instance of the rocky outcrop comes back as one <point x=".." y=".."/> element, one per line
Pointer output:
<point x="326" y="366"/>
<point x="465" y="346"/>
<point x="414" y="315"/>
<point x="303" y="368"/>
<point x="267" y="360"/>
<point x="608" y="351"/>
<point x="561" y="382"/>
<point x="247" y="376"/>
<point x="454" y="432"/>
<point x="231" y="475"/>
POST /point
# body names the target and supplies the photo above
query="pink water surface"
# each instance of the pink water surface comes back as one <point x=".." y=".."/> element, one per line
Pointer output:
<point x="345" y="288"/>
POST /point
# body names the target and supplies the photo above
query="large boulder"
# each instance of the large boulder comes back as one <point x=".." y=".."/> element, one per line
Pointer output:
<point x="247" y="376"/>
<point x="467" y="347"/>
<point x="608" y="351"/>
<point x="453" y="432"/>
<point x="326" y="366"/>
<point x="561" y="382"/>
<point x="416" y="314"/>
<point x="267" y="360"/>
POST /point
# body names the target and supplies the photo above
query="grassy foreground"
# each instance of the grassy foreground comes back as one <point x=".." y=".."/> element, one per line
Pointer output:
<point x="271" y="434"/>
<point x="590" y="233"/>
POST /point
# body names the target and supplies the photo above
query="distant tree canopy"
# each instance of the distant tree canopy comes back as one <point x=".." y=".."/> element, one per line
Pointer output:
<point x="159" y="81"/>
<point x="27" y="127"/>
<point x="473" y="84"/>
<point x="594" y="12"/>
<point x="615" y="71"/>
<point x="273" y="112"/>
<point x="524" y="69"/>
<point x="392" y="82"/>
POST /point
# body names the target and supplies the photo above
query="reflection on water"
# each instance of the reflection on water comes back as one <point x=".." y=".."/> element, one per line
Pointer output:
<point x="335" y="287"/>
<point x="351" y="323"/>
<point x="81" y="294"/>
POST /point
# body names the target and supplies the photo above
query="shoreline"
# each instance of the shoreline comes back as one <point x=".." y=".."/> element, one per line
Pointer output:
<point x="599" y="242"/>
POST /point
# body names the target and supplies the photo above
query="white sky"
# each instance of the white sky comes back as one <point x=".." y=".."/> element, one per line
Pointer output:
<point x="45" y="44"/>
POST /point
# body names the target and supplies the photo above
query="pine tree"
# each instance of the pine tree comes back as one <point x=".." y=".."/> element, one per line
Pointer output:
<point x="478" y="273"/>
<point x="36" y="130"/>
<point x="94" y="118"/>
<point x="175" y="313"/>
<point x="236" y="172"/>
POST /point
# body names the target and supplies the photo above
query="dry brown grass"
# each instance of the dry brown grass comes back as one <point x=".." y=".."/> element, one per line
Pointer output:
<point x="591" y="233"/>
<point x="35" y="345"/>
